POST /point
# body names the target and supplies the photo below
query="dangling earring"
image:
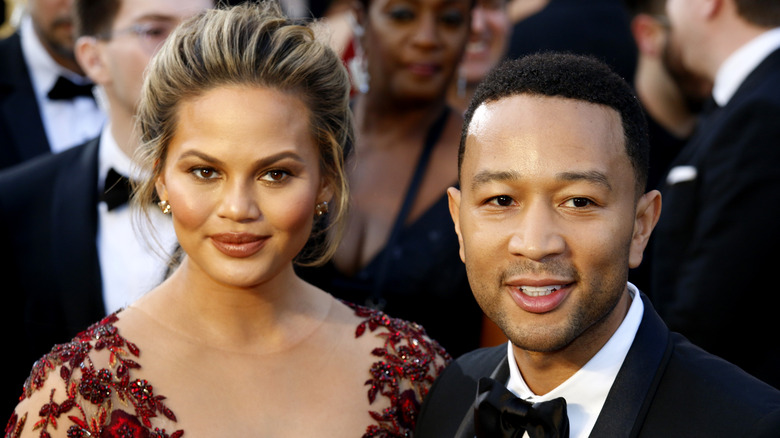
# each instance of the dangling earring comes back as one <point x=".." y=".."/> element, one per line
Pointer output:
<point x="165" y="207"/>
<point x="358" y="65"/>
<point x="461" y="83"/>
<point x="321" y="209"/>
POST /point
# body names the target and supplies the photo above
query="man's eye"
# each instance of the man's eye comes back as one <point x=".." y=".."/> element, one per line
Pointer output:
<point x="579" y="202"/>
<point x="502" y="201"/>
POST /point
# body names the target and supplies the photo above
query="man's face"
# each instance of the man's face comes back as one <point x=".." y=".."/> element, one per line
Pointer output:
<point x="53" y="23"/>
<point x="686" y="38"/>
<point x="546" y="218"/>
<point x="139" y="29"/>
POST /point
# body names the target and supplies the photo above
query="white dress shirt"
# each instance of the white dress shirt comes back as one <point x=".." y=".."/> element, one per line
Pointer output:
<point x="67" y="123"/>
<point x="586" y="391"/>
<point x="741" y="63"/>
<point x="133" y="257"/>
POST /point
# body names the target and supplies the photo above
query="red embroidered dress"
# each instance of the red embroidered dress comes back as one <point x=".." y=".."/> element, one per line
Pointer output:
<point x="116" y="401"/>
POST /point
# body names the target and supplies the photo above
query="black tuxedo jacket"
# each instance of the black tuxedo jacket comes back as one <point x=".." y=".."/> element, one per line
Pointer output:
<point x="666" y="387"/>
<point x="719" y="230"/>
<point x="48" y="231"/>
<point x="22" y="135"/>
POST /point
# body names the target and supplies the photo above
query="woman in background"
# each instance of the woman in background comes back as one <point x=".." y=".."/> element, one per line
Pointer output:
<point x="243" y="118"/>
<point x="490" y="30"/>
<point x="400" y="253"/>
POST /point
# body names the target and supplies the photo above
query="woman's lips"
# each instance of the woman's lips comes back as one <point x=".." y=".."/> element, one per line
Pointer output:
<point x="424" y="69"/>
<point x="238" y="245"/>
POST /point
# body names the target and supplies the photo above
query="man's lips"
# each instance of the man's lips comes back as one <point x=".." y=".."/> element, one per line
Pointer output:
<point x="238" y="245"/>
<point x="539" y="296"/>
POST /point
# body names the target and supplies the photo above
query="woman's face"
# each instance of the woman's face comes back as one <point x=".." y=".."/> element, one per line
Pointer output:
<point x="242" y="178"/>
<point x="414" y="46"/>
<point x="490" y="29"/>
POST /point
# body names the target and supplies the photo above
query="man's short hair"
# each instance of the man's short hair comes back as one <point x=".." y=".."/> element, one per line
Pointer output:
<point x="568" y="76"/>
<point x="94" y="17"/>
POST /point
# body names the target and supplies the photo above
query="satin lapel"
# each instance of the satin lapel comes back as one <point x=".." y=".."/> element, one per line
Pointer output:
<point x="75" y="236"/>
<point x="20" y="107"/>
<point x="637" y="380"/>
<point x="466" y="428"/>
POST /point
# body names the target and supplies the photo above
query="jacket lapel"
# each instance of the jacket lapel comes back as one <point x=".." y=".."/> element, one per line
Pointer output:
<point x="74" y="225"/>
<point x="637" y="380"/>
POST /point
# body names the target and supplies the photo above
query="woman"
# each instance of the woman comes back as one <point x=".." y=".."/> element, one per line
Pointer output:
<point x="243" y="119"/>
<point x="490" y="29"/>
<point x="401" y="252"/>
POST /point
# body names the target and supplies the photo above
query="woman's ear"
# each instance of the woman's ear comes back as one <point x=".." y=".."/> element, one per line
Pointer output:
<point x="326" y="191"/>
<point x="159" y="185"/>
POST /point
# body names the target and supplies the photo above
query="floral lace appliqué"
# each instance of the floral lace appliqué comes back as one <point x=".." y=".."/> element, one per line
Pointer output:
<point x="112" y="402"/>
<point x="91" y="392"/>
<point x="404" y="373"/>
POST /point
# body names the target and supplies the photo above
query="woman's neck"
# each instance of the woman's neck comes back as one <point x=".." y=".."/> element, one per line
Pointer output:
<point x="263" y="318"/>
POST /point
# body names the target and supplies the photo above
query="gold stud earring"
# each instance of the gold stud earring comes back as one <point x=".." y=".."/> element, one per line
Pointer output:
<point x="321" y="209"/>
<point x="165" y="207"/>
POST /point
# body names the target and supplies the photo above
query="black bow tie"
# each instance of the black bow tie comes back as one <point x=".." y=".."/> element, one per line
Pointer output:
<point x="500" y="414"/>
<point x="65" y="89"/>
<point x="116" y="191"/>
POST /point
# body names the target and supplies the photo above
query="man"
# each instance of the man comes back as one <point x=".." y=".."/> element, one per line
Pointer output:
<point x="550" y="215"/>
<point x="46" y="104"/>
<point x="671" y="95"/>
<point x="719" y="233"/>
<point x="76" y="254"/>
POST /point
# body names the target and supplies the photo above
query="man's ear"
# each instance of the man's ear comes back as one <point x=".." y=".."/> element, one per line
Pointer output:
<point x="89" y="55"/>
<point x="453" y="196"/>
<point x="649" y="34"/>
<point x="648" y="210"/>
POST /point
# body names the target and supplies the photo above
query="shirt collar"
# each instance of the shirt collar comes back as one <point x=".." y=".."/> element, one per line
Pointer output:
<point x="43" y="69"/>
<point x="741" y="63"/>
<point x="586" y="391"/>
<point x="110" y="156"/>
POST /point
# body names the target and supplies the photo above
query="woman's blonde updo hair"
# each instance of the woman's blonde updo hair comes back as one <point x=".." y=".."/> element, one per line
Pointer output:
<point x="251" y="44"/>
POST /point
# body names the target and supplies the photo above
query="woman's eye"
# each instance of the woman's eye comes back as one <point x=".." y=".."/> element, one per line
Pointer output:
<point x="452" y="18"/>
<point x="204" y="173"/>
<point x="275" y="175"/>
<point x="502" y="201"/>
<point x="401" y="14"/>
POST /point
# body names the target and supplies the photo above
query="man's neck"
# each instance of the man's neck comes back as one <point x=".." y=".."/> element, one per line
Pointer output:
<point x="545" y="371"/>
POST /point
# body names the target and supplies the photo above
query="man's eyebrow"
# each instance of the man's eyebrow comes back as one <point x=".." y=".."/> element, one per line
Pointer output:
<point x="592" y="176"/>
<point x="487" y="176"/>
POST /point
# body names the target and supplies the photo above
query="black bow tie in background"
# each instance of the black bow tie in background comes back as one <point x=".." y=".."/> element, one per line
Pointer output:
<point x="65" y="89"/>
<point x="500" y="414"/>
<point x="116" y="191"/>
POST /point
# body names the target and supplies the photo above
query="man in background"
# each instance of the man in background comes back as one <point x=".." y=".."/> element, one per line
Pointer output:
<point x="718" y="237"/>
<point x="46" y="103"/>
<point x="76" y="253"/>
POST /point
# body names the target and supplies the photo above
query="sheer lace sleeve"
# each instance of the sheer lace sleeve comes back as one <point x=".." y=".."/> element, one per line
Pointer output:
<point x="86" y="389"/>
<point x="406" y="365"/>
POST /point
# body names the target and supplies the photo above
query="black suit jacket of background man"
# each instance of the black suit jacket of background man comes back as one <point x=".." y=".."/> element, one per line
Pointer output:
<point x="22" y="135"/>
<point x="51" y="276"/>
<point x="717" y="244"/>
